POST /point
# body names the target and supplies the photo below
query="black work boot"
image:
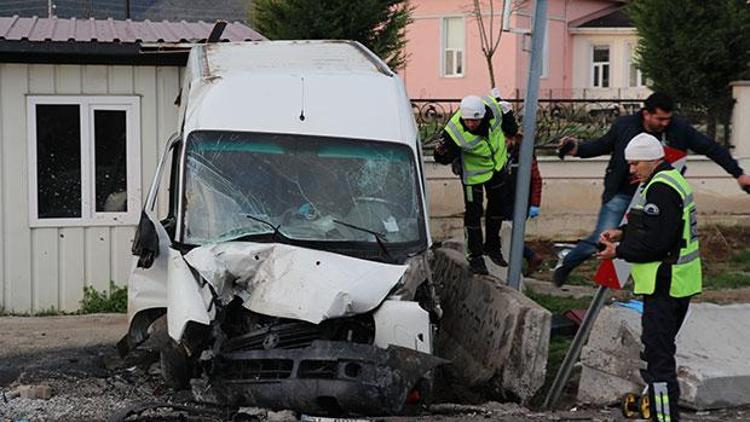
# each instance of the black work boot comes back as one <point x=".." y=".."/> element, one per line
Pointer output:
<point x="497" y="257"/>
<point x="477" y="265"/>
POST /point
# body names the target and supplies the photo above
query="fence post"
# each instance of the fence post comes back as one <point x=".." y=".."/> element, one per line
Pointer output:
<point x="740" y="133"/>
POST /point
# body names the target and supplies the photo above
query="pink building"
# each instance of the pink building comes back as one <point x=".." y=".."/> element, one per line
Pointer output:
<point x="588" y="51"/>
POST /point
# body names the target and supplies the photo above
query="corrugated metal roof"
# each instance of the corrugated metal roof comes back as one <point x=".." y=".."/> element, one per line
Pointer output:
<point x="54" y="29"/>
<point x="140" y="10"/>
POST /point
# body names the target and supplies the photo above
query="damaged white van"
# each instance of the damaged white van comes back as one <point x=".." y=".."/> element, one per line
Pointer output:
<point x="290" y="270"/>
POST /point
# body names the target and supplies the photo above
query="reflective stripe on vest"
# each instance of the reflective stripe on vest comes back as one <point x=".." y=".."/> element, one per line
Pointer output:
<point x="496" y="112"/>
<point x="480" y="156"/>
<point x="686" y="271"/>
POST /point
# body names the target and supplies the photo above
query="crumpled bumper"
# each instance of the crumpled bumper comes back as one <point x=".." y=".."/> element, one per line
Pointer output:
<point x="326" y="377"/>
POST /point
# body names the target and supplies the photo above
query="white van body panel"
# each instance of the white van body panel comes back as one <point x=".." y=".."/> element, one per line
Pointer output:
<point x="320" y="88"/>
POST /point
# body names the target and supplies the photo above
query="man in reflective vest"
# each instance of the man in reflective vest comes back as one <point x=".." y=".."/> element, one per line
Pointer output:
<point x="661" y="242"/>
<point x="474" y="135"/>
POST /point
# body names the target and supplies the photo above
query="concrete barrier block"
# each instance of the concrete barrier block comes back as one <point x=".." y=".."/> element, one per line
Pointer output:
<point x="713" y="364"/>
<point x="610" y="388"/>
<point x="493" y="335"/>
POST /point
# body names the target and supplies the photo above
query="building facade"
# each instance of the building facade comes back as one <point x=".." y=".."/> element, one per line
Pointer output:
<point x="588" y="51"/>
<point x="84" y="114"/>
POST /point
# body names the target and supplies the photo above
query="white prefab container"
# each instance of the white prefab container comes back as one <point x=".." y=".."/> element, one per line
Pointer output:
<point x="296" y="208"/>
<point x="46" y="262"/>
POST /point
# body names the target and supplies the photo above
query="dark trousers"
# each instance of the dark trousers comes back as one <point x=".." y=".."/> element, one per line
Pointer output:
<point x="662" y="318"/>
<point x="473" y="200"/>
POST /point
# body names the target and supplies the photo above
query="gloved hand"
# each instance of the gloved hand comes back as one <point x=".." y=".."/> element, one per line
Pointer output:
<point x="495" y="93"/>
<point x="533" y="212"/>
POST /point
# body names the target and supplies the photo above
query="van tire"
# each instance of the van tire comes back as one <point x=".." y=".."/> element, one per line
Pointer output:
<point x="175" y="365"/>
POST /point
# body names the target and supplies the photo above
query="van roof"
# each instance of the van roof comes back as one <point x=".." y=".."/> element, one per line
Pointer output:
<point x="291" y="56"/>
<point x="326" y="88"/>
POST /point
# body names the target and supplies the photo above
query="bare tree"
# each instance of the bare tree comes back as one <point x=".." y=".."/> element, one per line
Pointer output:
<point x="490" y="33"/>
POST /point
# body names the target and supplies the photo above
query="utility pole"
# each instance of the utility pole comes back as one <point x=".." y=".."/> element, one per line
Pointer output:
<point x="127" y="9"/>
<point x="50" y="9"/>
<point x="521" y="205"/>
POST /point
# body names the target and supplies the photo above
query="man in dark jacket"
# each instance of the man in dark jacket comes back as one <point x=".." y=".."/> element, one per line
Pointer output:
<point x="473" y="141"/>
<point x="655" y="118"/>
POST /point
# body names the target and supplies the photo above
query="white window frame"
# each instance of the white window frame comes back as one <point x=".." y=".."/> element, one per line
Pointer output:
<point x="88" y="104"/>
<point x="629" y="61"/>
<point x="598" y="67"/>
<point x="444" y="49"/>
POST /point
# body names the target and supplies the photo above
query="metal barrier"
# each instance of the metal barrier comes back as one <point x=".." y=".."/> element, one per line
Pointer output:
<point x="582" y="118"/>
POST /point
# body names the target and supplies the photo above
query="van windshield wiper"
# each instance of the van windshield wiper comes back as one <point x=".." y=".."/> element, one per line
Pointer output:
<point x="379" y="237"/>
<point x="276" y="231"/>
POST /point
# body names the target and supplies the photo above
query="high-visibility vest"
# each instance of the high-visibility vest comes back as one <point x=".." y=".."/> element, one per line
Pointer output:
<point x="480" y="156"/>
<point x="686" y="271"/>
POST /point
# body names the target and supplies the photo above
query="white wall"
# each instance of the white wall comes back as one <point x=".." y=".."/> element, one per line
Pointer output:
<point x="583" y="42"/>
<point x="571" y="196"/>
<point x="43" y="268"/>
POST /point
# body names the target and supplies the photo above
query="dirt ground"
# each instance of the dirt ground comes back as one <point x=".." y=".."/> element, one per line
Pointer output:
<point x="76" y="357"/>
<point x="724" y="249"/>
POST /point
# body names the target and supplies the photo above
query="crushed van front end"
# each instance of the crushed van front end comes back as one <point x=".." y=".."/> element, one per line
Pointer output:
<point x="326" y="377"/>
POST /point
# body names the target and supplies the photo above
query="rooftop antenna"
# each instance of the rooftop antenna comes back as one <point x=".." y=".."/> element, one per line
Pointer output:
<point x="302" y="105"/>
<point x="216" y="32"/>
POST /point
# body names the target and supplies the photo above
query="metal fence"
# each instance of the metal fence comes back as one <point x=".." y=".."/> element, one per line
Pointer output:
<point x="582" y="118"/>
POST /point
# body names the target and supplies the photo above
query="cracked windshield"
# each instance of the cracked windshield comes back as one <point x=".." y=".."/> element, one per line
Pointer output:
<point x="312" y="188"/>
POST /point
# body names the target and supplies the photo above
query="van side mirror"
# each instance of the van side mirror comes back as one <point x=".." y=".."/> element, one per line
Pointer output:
<point x="145" y="242"/>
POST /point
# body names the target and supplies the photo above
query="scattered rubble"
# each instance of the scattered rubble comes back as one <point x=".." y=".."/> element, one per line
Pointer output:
<point x="32" y="392"/>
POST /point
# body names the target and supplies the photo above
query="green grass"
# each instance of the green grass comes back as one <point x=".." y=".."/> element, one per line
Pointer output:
<point x="742" y="260"/>
<point x="116" y="301"/>
<point x="558" y="304"/>
<point x="558" y="347"/>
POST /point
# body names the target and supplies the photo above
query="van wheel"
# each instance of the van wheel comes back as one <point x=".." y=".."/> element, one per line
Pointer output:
<point x="175" y="365"/>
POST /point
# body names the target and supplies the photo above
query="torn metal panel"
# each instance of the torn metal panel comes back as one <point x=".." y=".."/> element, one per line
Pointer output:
<point x="292" y="282"/>
<point x="325" y="377"/>
<point x="186" y="300"/>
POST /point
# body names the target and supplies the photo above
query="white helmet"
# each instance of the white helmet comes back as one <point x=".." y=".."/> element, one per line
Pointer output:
<point x="644" y="147"/>
<point x="472" y="107"/>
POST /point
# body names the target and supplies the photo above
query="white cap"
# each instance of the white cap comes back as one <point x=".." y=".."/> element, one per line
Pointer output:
<point x="472" y="107"/>
<point x="644" y="147"/>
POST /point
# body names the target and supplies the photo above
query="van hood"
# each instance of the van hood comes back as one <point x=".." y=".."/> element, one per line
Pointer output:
<point x="288" y="281"/>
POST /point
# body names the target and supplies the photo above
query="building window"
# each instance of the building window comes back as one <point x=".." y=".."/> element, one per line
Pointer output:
<point x="453" y="46"/>
<point x="600" y="67"/>
<point x="635" y="77"/>
<point x="84" y="160"/>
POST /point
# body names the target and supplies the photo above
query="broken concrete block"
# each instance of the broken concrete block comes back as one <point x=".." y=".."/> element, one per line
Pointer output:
<point x="493" y="335"/>
<point x="604" y="388"/>
<point x="713" y="356"/>
<point x="712" y="359"/>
